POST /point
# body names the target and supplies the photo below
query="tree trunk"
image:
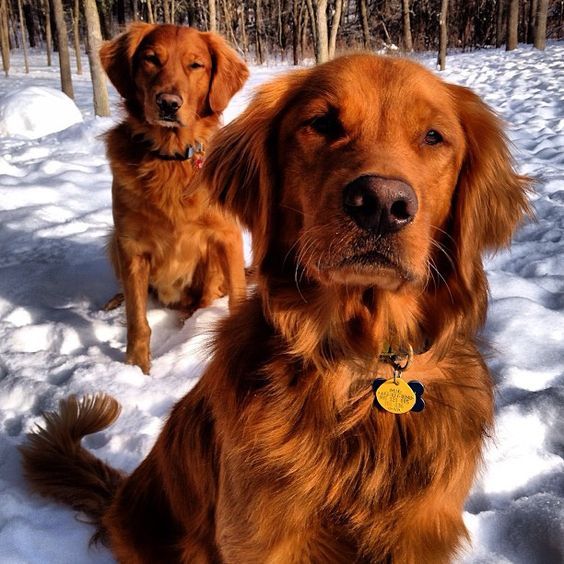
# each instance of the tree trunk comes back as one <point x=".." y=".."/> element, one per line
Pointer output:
<point x="406" y="27"/>
<point x="94" y="40"/>
<point x="29" y="24"/>
<point x="443" y="35"/>
<point x="4" y="36"/>
<point x="512" y="25"/>
<point x="212" y="22"/>
<point x="540" y="27"/>
<point x="166" y="12"/>
<point x="364" y="19"/>
<point x="76" y="35"/>
<point x="24" y="39"/>
<point x="311" y="14"/>
<point x="499" y="23"/>
<point x="295" y="32"/>
<point x="243" y="26"/>
<point x="150" y="15"/>
<point x="63" y="44"/>
<point x="135" y="10"/>
<point x="335" y="27"/>
<point x="48" y="38"/>
<point x="322" y="46"/>
<point x="532" y="21"/>
<point x="258" y="33"/>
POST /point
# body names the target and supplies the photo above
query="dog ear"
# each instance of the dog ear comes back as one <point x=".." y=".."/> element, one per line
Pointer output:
<point x="239" y="166"/>
<point x="117" y="56"/>
<point x="489" y="202"/>
<point x="491" y="198"/>
<point x="229" y="72"/>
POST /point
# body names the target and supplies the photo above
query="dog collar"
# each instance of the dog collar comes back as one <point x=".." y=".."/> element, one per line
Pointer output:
<point x="195" y="152"/>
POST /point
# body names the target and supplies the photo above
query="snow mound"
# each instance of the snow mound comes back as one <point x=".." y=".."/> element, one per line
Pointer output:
<point x="35" y="111"/>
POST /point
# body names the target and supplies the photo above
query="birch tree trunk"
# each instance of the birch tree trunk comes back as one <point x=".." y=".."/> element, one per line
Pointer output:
<point x="512" y="25"/>
<point x="24" y="38"/>
<point x="76" y="35"/>
<point x="322" y="46"/>
<point x="335" y="27"/>
<point x="4" y="37"/>
<point x="150" y="15"/>
<point x="94" y="33"/>
<point x="213" y="16"/>
<point x="540" y="24"/>
<point x="443" y="35"/>
<point x="406" y="27"/>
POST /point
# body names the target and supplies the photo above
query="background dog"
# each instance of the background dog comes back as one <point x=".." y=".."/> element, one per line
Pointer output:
<point x="371" y="189"/>
<point x="176" y="82"/>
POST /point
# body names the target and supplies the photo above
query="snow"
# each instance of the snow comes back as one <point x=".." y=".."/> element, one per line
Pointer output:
<point x="55" y="212"/>
<point x="35" y="111"/>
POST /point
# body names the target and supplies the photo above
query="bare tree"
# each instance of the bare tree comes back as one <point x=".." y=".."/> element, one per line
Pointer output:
<point x="406" y="26"/>
<point x="24" y="38"/>
<point x="48" y="38"/>
<point x="322" y="46"/>
<point x="150" y="15"/>
<point x="4" y="37"/>
<point x="512" y="25"/>
<point x="540" y="27"/>
<point x="63" y="45"/>
<point x="76" y="35"/>
<point x="213" y="16"/>
<point x="499" y="23"/>
<point x="364" y="19"/>
<point x="94" y="36"/>
<point x="443" y="35"/>
<point x="335" y="27"/>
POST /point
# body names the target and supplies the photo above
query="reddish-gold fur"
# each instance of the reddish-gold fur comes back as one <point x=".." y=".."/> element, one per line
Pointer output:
<point x="167" y="235"/>
<point x="278" y="455"/>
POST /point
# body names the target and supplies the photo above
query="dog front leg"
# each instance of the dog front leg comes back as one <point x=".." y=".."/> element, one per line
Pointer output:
<point x="135" y="280"/>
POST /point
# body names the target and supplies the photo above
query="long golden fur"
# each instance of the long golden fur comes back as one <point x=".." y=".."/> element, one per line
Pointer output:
<point x="176" y="82"/>
<point x="278" y="454"/>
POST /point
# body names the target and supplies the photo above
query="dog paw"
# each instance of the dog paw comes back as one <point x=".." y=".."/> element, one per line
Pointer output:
<point x="141" y="359"/>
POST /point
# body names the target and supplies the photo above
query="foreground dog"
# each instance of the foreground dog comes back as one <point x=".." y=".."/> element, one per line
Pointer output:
<point x="176" y="82"/>
<point x="371" y="189"/>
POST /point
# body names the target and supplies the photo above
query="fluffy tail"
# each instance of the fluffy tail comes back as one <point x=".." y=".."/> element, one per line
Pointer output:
<point x="57" y="466"/>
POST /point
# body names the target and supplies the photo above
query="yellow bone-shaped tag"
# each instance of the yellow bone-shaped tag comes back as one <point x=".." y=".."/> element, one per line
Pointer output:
<point x="395" y="396"/>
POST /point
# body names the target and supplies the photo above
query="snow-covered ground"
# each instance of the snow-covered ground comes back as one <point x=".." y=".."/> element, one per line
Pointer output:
<point x="54" y="340"/>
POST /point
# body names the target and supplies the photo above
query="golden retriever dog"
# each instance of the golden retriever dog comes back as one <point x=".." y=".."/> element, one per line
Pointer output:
<point x="371" y="189"/>
<point x="176" y="82"/>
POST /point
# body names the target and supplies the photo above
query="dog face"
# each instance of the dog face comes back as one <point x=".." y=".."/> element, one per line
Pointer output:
<point x="367" y="170"/>
<point x="370" y="158"/>
<point x="172" y="75"/>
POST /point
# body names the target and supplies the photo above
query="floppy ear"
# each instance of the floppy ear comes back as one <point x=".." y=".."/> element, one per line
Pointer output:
<point x="117" y="55"/>
<point x="229" y="72"/>
<point x="490" y="201"/>
<point x="239" y="167"/>
<point x="491" y="196"/>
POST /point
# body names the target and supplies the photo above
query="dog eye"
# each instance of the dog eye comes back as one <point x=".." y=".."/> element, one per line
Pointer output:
<point x="433" y="137"/>
<point x="327" y="125"/>
<point x="195" y="65"/>
<point x="152" y="58"/>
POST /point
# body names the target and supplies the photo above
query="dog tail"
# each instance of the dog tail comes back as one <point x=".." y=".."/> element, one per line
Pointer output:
<point x="57" y="466"/>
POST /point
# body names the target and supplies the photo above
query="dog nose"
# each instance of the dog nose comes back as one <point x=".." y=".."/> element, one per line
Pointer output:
<point x="378" y="204"/>
<point x="169" y="103"/>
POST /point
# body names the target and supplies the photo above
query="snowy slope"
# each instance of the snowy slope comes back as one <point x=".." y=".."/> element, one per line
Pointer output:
<point x="54" y="340"/>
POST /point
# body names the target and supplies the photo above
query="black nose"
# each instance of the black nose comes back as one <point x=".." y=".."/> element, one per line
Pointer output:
<point x="378" y="204"/>
<point x="169" y="103"/>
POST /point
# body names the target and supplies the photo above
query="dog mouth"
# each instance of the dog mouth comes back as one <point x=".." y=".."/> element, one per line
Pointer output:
<point x="168" y="120"/>
<point x="374" y="262"/>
